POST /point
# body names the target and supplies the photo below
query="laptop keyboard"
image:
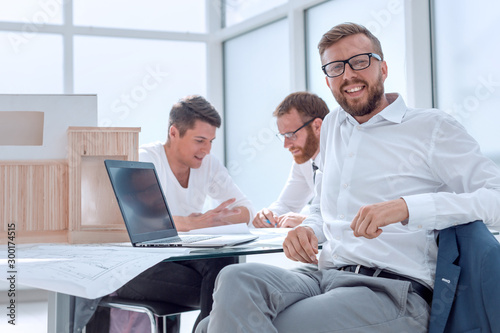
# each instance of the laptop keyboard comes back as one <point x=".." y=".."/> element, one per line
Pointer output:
<point x="184" y="239"/>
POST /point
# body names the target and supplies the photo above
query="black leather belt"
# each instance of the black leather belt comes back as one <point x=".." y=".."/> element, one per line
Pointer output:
<point x="420" y="289"/>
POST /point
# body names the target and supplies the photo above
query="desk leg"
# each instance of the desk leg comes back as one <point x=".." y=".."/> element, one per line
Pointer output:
<point x="59" y="313"/>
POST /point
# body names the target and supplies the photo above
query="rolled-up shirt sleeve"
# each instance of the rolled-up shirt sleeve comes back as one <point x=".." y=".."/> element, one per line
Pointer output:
<point x="222" y="187"/>
<point x="471" y="183"/>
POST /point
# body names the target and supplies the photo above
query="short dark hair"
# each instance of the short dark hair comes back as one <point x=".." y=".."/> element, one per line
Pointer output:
<point x="342" y="30"/>
<point x="187" y="110"/>
<point x="307" y="104"/>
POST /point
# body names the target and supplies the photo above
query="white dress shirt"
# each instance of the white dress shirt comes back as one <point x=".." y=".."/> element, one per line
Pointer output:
<point x="210" y="180"/>
<point x="421" y="155"/>
<point x="298" y="190"/>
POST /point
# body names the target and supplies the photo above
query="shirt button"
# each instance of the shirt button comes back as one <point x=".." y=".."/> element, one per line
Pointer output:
<point x="359" y="128"/>
<point x="420" y="227"/>
<point x="351" y="154"/>
<point x="341" y="216"/>
<point x="345" y="185"/>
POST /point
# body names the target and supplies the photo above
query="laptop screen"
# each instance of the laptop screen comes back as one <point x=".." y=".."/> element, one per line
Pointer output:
<point x="141" y="200"/>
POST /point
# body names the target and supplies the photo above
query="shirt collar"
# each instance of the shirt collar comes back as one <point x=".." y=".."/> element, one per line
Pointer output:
<point x="395" y="111"/>
<point x="317" y="159"/>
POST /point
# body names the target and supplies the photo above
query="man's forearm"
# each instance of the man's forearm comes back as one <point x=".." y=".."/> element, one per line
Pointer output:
<point x="242" y="217"/>
<point x="181" y="223"/>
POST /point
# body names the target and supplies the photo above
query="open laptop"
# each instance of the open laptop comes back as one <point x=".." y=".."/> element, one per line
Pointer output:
<point x="145" y="211"/>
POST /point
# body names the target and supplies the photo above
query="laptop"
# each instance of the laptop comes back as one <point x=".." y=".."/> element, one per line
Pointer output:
<point x="145" y="211"/>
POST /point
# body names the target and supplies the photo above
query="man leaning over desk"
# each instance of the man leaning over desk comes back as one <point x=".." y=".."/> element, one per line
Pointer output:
<point x="299" y="117"/>
<point x="189" y="174"/>
<point x="390" y="177"/>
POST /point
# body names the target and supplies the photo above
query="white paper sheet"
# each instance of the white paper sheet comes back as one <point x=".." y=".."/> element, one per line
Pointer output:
<point x="267" y="236"/>
<point x="89" y="271"/>
<point x="270" y="236"/>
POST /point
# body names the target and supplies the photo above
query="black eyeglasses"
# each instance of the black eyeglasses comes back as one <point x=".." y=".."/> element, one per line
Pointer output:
<point x="357" y="63"/>
<point x="292" y="135"/>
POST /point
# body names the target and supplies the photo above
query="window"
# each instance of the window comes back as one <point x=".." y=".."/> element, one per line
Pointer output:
<point x="139" y="57"/>
<point x="33" y="12"/>
<point x="467" y="79"/>
<point x="256" y="80"/>
<point x="137" y="81"/>
<point x="166" y="15"/>
<point x="35" y="63"/>
<point x="237" y="11"/>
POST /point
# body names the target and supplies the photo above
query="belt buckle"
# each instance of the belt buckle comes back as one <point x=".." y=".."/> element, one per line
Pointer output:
<point x="356" y="270"/>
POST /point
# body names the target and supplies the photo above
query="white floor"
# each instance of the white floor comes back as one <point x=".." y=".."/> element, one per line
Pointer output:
<point x="31" y="316"/>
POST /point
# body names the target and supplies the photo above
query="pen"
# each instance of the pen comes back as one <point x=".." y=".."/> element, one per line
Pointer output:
<point x="267" y="220"/>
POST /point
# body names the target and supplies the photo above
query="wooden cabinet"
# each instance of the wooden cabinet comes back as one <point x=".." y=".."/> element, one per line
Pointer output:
<point x="94" y="216"/>
<point x="34" y="199"/>
<point x="67" y="200"/>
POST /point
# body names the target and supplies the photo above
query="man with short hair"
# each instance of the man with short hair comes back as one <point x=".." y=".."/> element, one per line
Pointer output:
<point x="299" y="117"/>
<point x="188" y="172"/>
<point x="189" y="175"/>
<point x="390" y="177"/>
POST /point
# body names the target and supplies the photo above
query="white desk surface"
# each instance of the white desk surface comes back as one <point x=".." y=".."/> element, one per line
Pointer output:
<point x="95" y="270"/>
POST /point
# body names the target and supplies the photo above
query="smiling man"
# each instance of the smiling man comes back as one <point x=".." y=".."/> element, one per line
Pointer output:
<point x="299" y="117"/>
<point x="189" y="175"/>
<point x="391" y="177"/>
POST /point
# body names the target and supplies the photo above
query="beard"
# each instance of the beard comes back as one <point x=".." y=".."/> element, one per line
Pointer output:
<point x="309" y="149"/>
<point x="358" y="108"/>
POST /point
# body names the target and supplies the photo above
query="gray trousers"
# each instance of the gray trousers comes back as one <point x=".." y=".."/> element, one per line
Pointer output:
<point x="261" y="298"/>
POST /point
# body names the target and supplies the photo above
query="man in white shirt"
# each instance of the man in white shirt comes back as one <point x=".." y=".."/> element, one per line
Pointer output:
<point x="299" y="117"/>
<point x="189" y="175"/>
<point x="390" y="177"/>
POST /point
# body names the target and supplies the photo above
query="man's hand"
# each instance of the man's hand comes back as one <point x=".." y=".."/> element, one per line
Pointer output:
<point x="290" y="220"/>
<point x="261" y="218"/>
<point x="371" y="218"/>
<point x="212" y="218"/>
<point x="301" y="244"/>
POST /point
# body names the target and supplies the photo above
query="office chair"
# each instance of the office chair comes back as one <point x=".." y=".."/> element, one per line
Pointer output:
<point x="156" y="311"/>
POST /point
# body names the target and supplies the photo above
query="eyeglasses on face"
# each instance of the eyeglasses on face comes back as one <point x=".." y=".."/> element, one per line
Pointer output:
<point x="292" y="135"/>
<point x="357" y="63"/>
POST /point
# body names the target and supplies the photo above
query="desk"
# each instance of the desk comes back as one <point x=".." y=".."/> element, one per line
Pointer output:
<point x="60" y="304"/>
<point x="94" y="270"/>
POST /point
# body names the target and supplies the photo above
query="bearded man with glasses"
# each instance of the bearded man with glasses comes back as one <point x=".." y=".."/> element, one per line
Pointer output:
<point x="299" y="117"/>
<point x="392" y="179"/>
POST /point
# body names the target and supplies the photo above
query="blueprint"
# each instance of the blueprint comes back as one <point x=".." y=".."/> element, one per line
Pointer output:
<point x="95" y="270"/>
<point x="87" y="270"/>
